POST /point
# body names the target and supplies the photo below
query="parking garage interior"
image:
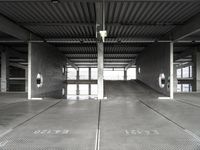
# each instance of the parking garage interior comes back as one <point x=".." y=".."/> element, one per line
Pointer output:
<point x="100" y="74"/>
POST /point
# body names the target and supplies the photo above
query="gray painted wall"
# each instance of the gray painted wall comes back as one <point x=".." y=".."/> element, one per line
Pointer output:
<point x="48" y="61"/>
<point x="153" y="61"/>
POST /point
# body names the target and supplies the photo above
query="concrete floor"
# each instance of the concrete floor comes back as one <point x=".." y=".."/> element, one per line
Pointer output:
<point x="132" y="118"/>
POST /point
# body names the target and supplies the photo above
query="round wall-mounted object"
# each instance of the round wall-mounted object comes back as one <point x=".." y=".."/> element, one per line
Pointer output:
<point x="63" y="70"/>
<point x="63" y="91"/>
<point x="39" y="80"/>
<point x="161" y="80"/>
<point x="139" y="70"/>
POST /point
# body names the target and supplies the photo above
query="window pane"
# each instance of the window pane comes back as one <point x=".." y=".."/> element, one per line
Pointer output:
<point x="190" y="71"/>
<point x="94" y="73"/>
<point x="186" y="88"/>
<point x="178" y="73"/>
<point x="178" y="87"/>
<point x="186" y="72"/>
<point x="113" y="75"/>
<point x="71" y="74"/>
<point x="84" y="73"/>
<point x="190" y="88"/>
<point x="118" y="69"/>
<point x="71" y="89"/>
<point x="93" y="89"/>
<point x="83" y="89"/>
<point x="131" y="73"/>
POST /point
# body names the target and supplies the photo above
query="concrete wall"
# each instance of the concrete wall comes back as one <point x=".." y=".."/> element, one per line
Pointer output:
<point x="153" y="61"/>
<point x="48" y="61"/>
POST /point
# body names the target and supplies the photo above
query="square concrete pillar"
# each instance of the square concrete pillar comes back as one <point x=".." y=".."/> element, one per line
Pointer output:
<point x="4" y="70"/>
<point x="175" y="78"/>
<point x="89" y="80"/>
<point x="100" y="49"/>
<point x="196" y="71"/>
<point x="125" y="74"/>
<point x="171" y="70"/>
<point x="26" y="80"/>
<point x="77" y="85"/>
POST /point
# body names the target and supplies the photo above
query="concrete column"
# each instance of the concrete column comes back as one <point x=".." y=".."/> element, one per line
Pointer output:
<point x="125" y="74"/>
<point x="66" y="82"/>
<point x="29" y="71"/>
<point x="175" y="78"/>
<point x="77" y="85"/>
<point x="196" y="71"/>
<point x="26" y="80"/>
<point x="4" y="71"/>
<point x="89" y="80"/>
<point x="171" y="70"/>
<point x="100" y="49"/>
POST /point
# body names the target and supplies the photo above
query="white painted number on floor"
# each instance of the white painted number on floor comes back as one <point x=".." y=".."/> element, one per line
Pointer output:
<point x="49" y="131"/>
<point x="141" y="132"/>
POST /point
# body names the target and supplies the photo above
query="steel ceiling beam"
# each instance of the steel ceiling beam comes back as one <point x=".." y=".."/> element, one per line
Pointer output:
<point x="72" y="64"/>
<point x="93" y="24"/>
<point x="184" y="54"/>
<point x="101" y="1"/>
<point x="14" y="52"/>
<point x="85" y="41"/>
<point x="9" y="27"/>
<point x="130" y="64"/>
<point x="191" y="27"/>
<point x="18" y="65"/>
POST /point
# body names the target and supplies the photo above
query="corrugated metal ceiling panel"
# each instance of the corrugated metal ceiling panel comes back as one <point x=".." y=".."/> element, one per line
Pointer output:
<point x="48" y="12"/>
<point x="150" y="12"/>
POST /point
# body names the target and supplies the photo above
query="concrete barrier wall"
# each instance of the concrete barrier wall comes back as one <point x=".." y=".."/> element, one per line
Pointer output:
<point x="48" y="61"/>
<point x="153" y="61"/>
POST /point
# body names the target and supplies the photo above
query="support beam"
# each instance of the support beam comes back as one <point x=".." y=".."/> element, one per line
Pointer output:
<point x="12" y="29"/>
<point x="125" y="74"/>
<point x="100" y="19"/>
<point x="100" y="26"/>
<point x="184" y="54"/>
<point x="4" y="70"/>
<point x="196" y="71"/>
<point x="184" y="65"/>
<point x="72" y="64"/>
<point x="77" y="85"/>
<point x="89" y="79"/>
<point x="18" y="66"/>
<point x="106" y="0"/>
<point x="192" y="26"/>
<point x="171" y="70"/>
<point x="26" y="80"/>
<point x="29" y="70"/>
<point x="100" y="71"/>
<point x="175" y="78"/>
<point x="130" y="64"/>
<point x="91" y="24"/>
<point x="13" y="52"/>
